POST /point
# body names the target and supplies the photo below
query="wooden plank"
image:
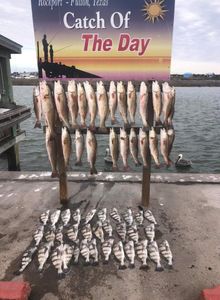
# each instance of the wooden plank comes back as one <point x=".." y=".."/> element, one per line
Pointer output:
<point x="10" y="142"/>
<point x="15" y="121"/>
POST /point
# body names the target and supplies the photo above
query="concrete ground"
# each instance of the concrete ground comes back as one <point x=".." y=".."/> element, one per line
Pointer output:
<point x="188" y="217"/>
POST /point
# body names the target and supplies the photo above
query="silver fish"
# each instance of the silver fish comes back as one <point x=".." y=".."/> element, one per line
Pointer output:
<point x="44" y="217"/>
<point x="143" y="146"/>
<point x="133" y="144"/>
<point x="68" y="252"/>
<point x="65" y="216"/>
<point x="102" y="214"/>
<point x="72" y="101"/>
<point x="153" y="144"/>
<point x="107" y="227"/>
<point x="166" y="253"/>
<point x="171" y="138"/>
<point x="150" y="232"/>
<point x="168" y="106"/>
<point x="130" y="252"/>
<point x="72" y="232"/>
<point x="91" y="147"/>
<point x="155" y="255"/>
<point x="59" y="234"/>
<point x="87" y="232"/>
<point x="139" y="218"/>
<point x="54" y="217"/>
<point x="79" y="138"/>
<point x="38" y="235"/>
<point x="122" y="102"/>
<point x="157" y="104"/>
<point x="142" y="253"/>
<point x="132" y="101"/>
<point x="51" y="152"/>
<point x="82" y="104"/>
<point x="50" y="235"/>
<point x="115" y="215"/>
<point x="164" y="146"/>
<point x="132" y="232"/>
<point x="170" y="118"/>
<point x="93" y="252"/>
<point x="149" y="216"/>
<point x="124" y="148"/>
<point x="143" y="107"/>
<point x="61" y="103"/>
<point x="92" y="104"/>
<point x="43" y="255"/>
<point x="119" y="254"/>
<point x="89" y="216"/>
<point x="76" y="252"/>
<point x="98" y="231"/>
<point x="76" y="216"/>
<point x="66" y="145"/>
<point x="128" y="217"/>
<point x="121" y="230"/>
<point x="56" y="258"/>
<point x="107" y="249"/>
<point x="84" y="250"/>
<point x="37" y="106"/>
<point x="112" y="101"/>
<point x="26" y="259"/>
<point x="114" y="148"/>
<point x="102" y="101"/>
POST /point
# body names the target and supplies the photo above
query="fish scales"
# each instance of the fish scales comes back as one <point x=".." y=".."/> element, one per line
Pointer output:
<point x="132" y="101"/>
<point x="121" y="230"/>
<point x="122" y="102"/>
<point x="44" y="217"/>
<point x="65" y="216"/>
<point x="107" y="228"/>
<point x="66" y="145"/>
<point x="82" y="104"/>
<point x="87" y="232"/>
<point x="102" y="100"/>
<point x="154" y="255"/>
<point x="157" y="103"/>
<point x="130" y="252"/>
<point x="37" y="106"/>
<point x="150" y="232"/>
<point x="76" y="252"/>
<point x="132" y="232"/>
<point x="91" y="147"/>
<point x="72" y="232"/>
<point x="93" y="252"/>
<point x="143" y="146"/>
<point x="50" y="235"/>
<point x="90" y="216"/>
<point x="54" y="217"/>
<point x="128" y="217"/>
<point x="150" y="217"/>
<point x="133" y="144"/>
<point x="114" y="148"/>
<point x="115" y="215"/>
<point x="27" y="258"/>
<point x="79" y="138"/>
<point x="164" y="146"/>
<point x="102" y="214"/>
<point x="119" y="254"/>
<point x="56" y="259"/>
<point x="124" y="148"/>
<point x="84" y="250"/>
<point x="98" y="231"/>
<point x="139" y="218"/>
<point x="38" y="235"/>
<point x="43" y="255"/>
<point x="164" y="249"/>
<point x="142" y="253"/>
<point x="51" y="152"/>
<point x="72" y="102"/>
<point x="76" y="216"/>
<point x="113" y="101"/>
<point x="92" y="103"/>
<point x="153" y="145"/>
<point x="61" y="103"/>
<point x="107" y="249"/>
<point x="143" y="107"/>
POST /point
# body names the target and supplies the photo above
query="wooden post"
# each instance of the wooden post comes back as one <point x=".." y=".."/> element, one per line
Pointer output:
<point x="13" y="154"/>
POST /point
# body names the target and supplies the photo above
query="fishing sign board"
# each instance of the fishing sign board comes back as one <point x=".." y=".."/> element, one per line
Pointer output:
<point x="107" y="39"/>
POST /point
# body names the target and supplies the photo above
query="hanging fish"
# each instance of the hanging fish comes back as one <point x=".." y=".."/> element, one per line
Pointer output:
<point x="132" y="101"/>
<point x="164" y="146"/>
<point x="79" y="138"/>
<point x="26" y="259"/>
<point x="93" y="252"/>
<point x="170" y="118"/>
<point x="157" y="104"/>
<point x="92" y="104"/>
<point x="128" y="217"/>
<point x="114" y="148"/>
<point x="82" y="104"/>
<point x="167" y="102"/>
<point x="107" y="227"/>
<point x="98" y="231"/>
<point x="72" y="101"/>
<point x="37" y="106"/>
<point x="51" y="152"/>
<point x="119" y="254"/>
<point x="89" y="216"/>
<point x="84" y="250"/>
<point x="66" y="145"/>
<point x="171" y="138"/>
<point x="143" y="108"/>
<point x="59" y="234"/>
<point x="121" y="230"/>
<point x="102" y="213"/>
<point x="50" y="235"/>
<point x="76" y="216"/>
<point x="87" y="232"/>
<point x="54" y="217"/>
<point x="124" y="148"/>
<point x="133" y="143"/>
<point x="115" y="215"/>
<point x="57" y="261"/>
<point x="143" y="146"/>
<point x="155" y="255"/>
<point x="130" y="252"/>
<point x="44" y="217"/>
<point x="76" y="252"/>
<point x="166" y="253"/>
<point x="91" y="147"/>
<point x="132" y="233"/>
<point x="72" y="232"/>
<point x="122" y="102"/>
<point x="112" y="101"/>
<point x="139" y="218"/>
<point x="68" y="252"/>
<point x="150" y="232"/>
<point x="38" y="235"/>
<point x="102" y="101"/>
<point x="149" y="216"/>
<point x="43" y="255"/>
<point x="153" y="144"/>
<point x="107" y="249"/>
<point x="61" y="103"/>
<point x="142" y="253"/>
<point x="65" y="216"/>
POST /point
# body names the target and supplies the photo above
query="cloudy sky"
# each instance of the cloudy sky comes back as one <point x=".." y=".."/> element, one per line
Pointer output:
<point x="196" y="40"/>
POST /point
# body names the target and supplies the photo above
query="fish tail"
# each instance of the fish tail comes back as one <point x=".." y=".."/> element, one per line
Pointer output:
<point x="54" y="174"/>
<point x="95" y="263"/>
<point x="170" y="266"/>
<point x="66" y="270"/>
<point x="138" y="163"/>
<point x="18" y="272"/>
<point x="76" y="262"/>
<point x="78" y="163"/>
<point x="105" y="262"/>
<point x="87" y="263"/>
<point x="122" y="267"/>
<point x="132" y="123"/>
<point x="132" y="266"/>
<point x="115" y="168"/>
<point x="126" y="168"/>
<point x="93" y="170"/>
<point x="92" y="127"/>
<point x="61" y="275"/>
<point x="144" y="267"/>
<point x="159" y="268"/>
<point x="37" y="124"/>
<point x="140" y="208"/>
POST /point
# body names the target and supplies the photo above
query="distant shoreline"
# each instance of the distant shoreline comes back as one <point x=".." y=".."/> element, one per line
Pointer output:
<point x="174" y="82"/>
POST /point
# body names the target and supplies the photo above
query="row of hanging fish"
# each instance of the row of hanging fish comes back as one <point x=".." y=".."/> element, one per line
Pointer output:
<point x="81" y="99"/>
<point x="65" y="236"/>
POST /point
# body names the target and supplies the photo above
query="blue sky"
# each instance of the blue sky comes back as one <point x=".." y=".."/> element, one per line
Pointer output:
<point x="196" y="37"/>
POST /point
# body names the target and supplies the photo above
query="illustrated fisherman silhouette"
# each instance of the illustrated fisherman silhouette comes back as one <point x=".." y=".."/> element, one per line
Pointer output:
<point x="49" y="68"/>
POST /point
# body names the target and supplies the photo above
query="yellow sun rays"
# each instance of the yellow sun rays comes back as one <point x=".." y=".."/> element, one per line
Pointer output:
<point x="154" y="10"/>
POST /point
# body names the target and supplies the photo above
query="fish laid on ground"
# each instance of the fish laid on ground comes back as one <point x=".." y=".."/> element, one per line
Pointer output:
<point x="114" y="148"/>
<point x="130" y="252"/>
<point x="37" y="106"/>
<point x="44" y="217"/>
<point x="107" y="227"/>
<point x="26" y="259"/>
<point x="143" y="146"/>
<point x="76" y="252"/>
<point x="167" y="102"/>
<point x="84" y="250"/>
<point x="149" y="216"/>
<point x="164" y="146"/>
<point x="122" y="102"/>
<point x="121" y="230"/>
<point x="82" y="104"/>
<point x="61" y="103"/>
<point x="153" y="144"/>
<point x="76" y="216"/>
<point x="50" y="235"/>
<point x="157" y="103"/>
<point x="107" y="249"/>
<point x="115" y="215"/>
<point x="51" y="152"/>
<point x="98" y="231"/>
<point x="43" y="255"/>
<point x="132" y="233"/>
<point x="54" y="217"/>
<point x="56" y="258"/>
<point x="139" y="218"/>
<point x="133" y="143"/>
<point x="143" y="106"/>
<point x="102" y="101"/>
<point x="112" y="101"/>
<point x="170" y="118"/>
<point x="87" y="232"/>
<point x="59" y="234"/>
<point x="155" y="255"/>
<point x="72" y="232"/>
<point x="48" y="107"/>
<point x="124" y="148"/>
<point x="132" y="101"/>
<point x="93" y="252"/>
<point x="102" y="214"/>
<point x="142" y="253"/>
<point x="72" y="101"/>
<point x="118" y="251"/>
<point x="128" y="217"/>
<point x="171" y="138"/>
<point x="68" y="252"/>
<point x="90" y="216"/>
<point x="66" y="145"/>
<point x="65" y="216"/>
<point x="150" y="232"/>
<point x="38" y="235"/>
<point x="91" y="147"/>
<point x="79" y="138"/>
<point x="166" y="253"/>
<point x="92" y="104"/>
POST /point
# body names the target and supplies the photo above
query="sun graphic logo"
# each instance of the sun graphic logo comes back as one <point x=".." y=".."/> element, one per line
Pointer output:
<point x="154" y="10"/>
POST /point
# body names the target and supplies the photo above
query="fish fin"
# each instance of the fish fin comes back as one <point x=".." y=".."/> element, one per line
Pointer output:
<point x="170" y="267"/>
<point x="66" y="270"/>
<point x="54" y="174"/>
<point x="159" y="269"/>
<point x="78" y="163"/>
<point x="61" y="276"/>
<point x="93" y="170"/>
<point x="122" y="267"/>
<point x="87" y="263"/>
<point x="95" y="263"/>
<point x="37" y="124"/>
<point x="114" y="168"/>
<point x="144" y="267"/>
<point x="105" y="262"/>
<point x="75" y="262"/>
<point x="17" y="273"/>
<point x="132" y="266"/>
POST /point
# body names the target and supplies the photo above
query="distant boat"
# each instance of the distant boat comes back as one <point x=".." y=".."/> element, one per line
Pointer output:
<point x="183" y="163"/>
<point x="108" y="158"/>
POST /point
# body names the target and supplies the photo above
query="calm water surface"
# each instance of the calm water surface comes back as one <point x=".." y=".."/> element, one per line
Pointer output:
<point x="196" y="121"/>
